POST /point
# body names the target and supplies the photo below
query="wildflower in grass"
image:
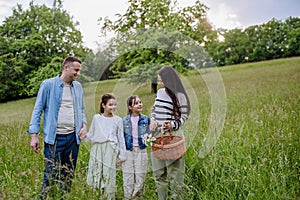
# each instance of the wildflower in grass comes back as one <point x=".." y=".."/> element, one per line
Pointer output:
<point x="148" y="139"/>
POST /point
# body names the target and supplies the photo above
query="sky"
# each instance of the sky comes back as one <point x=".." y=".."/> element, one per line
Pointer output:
<point x="227" y="14"/>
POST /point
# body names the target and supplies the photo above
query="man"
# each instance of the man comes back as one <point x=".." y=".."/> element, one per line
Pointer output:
<point x="62" y="101"/>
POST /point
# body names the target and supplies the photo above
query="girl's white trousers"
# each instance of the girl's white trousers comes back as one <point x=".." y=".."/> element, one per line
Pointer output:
<point x="134" y="172"/>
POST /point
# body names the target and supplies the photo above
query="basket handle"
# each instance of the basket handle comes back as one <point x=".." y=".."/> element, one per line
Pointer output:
<point x="162" y="133"/>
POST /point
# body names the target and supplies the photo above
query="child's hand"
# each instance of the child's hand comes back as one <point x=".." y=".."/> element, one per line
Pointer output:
<point x="119" y="163"/>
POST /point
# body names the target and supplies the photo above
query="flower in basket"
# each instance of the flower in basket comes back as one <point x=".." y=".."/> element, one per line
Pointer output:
<point x="148" y="139"/>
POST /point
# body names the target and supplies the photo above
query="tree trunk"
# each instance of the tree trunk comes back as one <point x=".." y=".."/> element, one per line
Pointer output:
<point x="153" y="87"/>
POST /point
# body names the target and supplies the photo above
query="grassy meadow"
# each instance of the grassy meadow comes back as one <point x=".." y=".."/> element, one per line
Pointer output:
<point x="257" y="155"/>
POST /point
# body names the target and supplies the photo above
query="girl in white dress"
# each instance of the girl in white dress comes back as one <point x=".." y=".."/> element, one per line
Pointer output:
<point x="108" y="148"/>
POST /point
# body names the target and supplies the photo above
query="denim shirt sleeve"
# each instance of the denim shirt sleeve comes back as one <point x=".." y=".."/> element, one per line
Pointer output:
<point x="39" y="106"/>
<point x="80" y="117"/>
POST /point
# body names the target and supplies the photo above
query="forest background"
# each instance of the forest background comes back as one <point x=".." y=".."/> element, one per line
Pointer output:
<point x="34" y="41"/>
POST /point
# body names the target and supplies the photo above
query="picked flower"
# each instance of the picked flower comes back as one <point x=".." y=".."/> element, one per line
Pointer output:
<point x="148" y="139"/>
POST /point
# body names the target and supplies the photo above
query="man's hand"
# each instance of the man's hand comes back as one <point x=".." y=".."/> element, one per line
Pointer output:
<point x="35" y="143"/>
<point x="83" y="132"/>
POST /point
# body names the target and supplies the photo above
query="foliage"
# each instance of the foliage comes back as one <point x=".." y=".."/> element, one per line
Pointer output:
<point x="293" y="37"/>
<point x="52" y="69"/>
<point x="274" y="39"/>
<point x="98" y="64"/>
<point x="36" y="36"/>
<point x="11" y="69"/>
<point x="150" y="32"/>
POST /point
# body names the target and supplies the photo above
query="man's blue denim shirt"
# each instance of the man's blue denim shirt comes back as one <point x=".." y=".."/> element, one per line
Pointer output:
<point x="48" y="101"/>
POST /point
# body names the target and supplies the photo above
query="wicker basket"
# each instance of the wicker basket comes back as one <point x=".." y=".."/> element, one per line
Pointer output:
<point x="169" y="147"/>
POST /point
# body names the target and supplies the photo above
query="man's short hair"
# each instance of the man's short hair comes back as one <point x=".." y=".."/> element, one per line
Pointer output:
<point x="69" y="60"/>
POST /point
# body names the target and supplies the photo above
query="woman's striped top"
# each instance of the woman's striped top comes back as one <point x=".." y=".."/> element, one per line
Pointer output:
<point x="163" y="109"/>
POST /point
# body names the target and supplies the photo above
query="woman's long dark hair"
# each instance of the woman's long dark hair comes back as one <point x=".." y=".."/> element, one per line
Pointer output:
<point x="173" y="85"/>
<point x="104" y="100"/>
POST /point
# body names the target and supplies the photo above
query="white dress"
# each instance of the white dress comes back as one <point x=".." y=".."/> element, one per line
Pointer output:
<point x="106" y="135"/>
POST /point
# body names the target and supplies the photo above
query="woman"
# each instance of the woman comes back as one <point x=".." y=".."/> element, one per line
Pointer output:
<point x="171" y="109"/>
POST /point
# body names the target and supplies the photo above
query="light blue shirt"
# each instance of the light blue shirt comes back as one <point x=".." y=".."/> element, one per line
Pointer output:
<point x="48" y="101"/>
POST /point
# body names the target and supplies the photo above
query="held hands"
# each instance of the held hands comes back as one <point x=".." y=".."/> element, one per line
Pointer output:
<point x="119" y="163"/>
<point x="83" y="132"/>
<point x="35" y="143"/>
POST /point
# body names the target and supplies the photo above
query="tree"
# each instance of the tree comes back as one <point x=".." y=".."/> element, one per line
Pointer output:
<point x="36" y="36"/>
<point x="271" y="40"/>
<point x="10" y="73"/>
<point x="292" y="24"/>
<point x="150" y="32"/>
<point x="50" y="70"/>
<point x="98" y="64"/>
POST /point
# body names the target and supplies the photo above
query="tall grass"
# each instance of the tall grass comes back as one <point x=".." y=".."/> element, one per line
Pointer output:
<point x="256" y="157"/>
